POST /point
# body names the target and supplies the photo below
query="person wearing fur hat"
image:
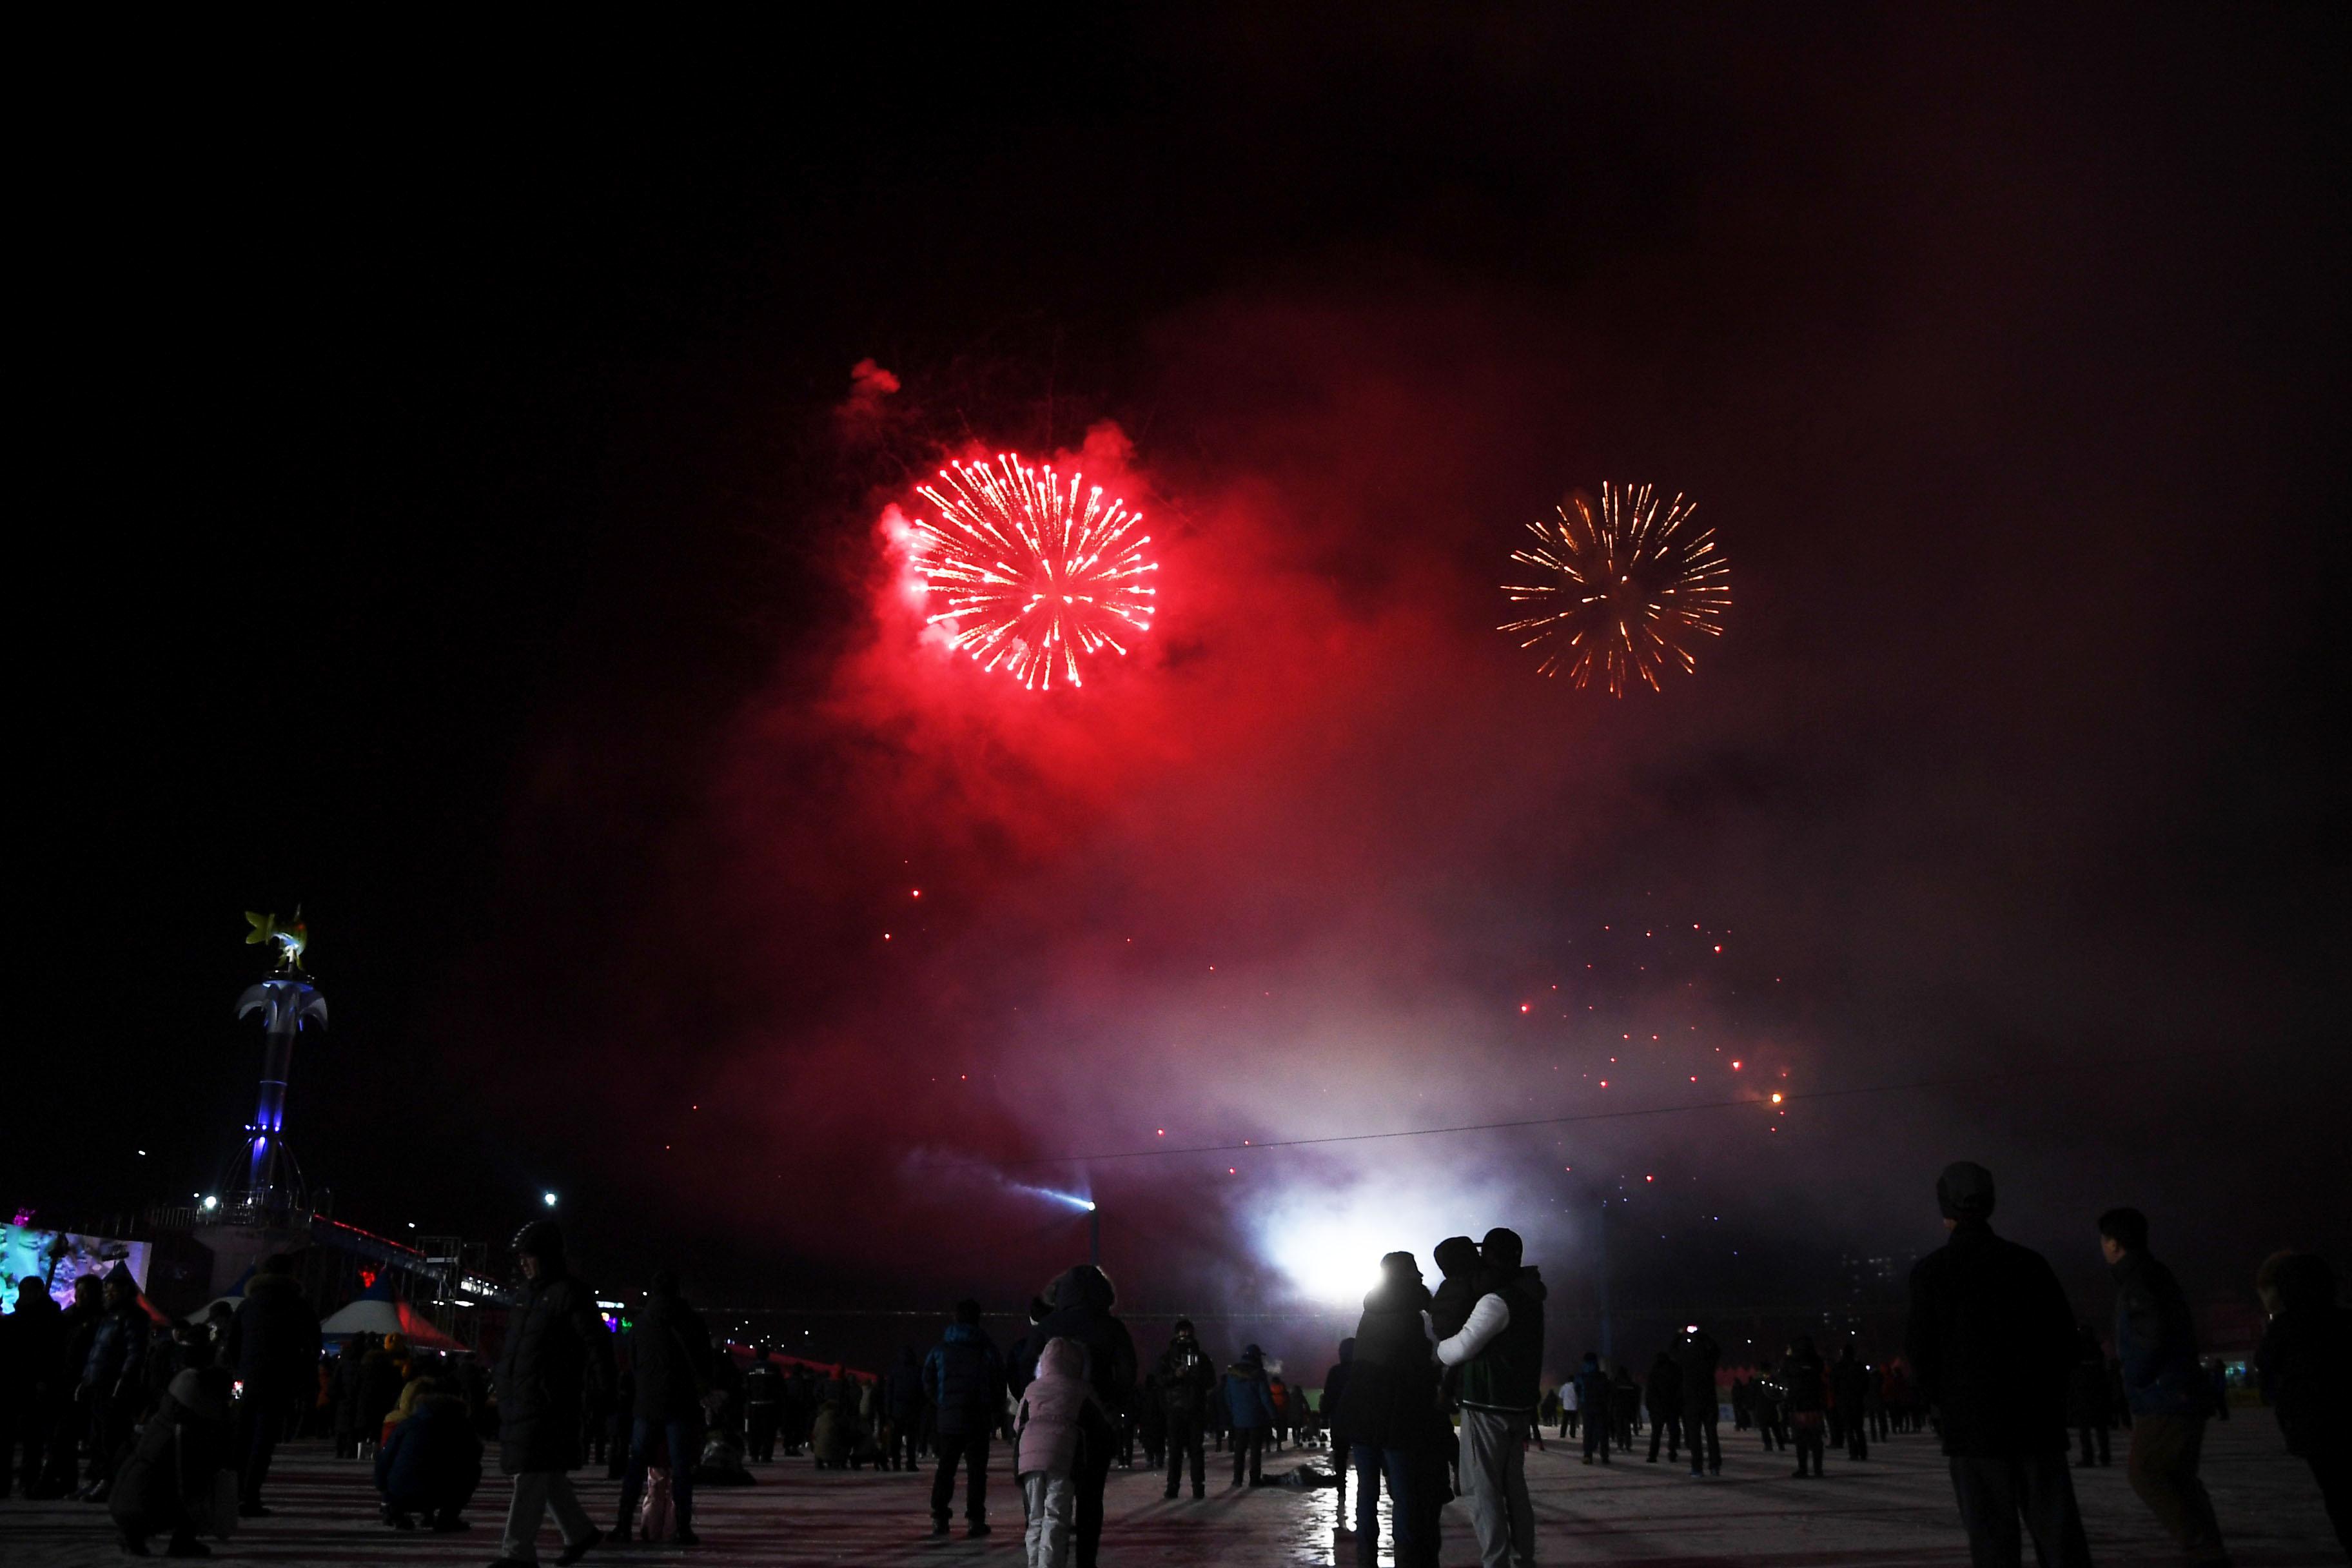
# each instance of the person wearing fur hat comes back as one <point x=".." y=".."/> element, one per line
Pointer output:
<point x="1990" y="1340"/>
<point x="165" y="1485"/>
<point x="556" y="1343"/>
<point x="1058" y="1419"/>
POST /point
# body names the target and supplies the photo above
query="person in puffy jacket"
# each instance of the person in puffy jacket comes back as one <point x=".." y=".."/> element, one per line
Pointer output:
<point x="556" y="1345"/>
<point x="1080" y="1300"/>
<point x="964" y="1380"/>
<point x="113" y="1389"/>
<point x="671" y="1353"/>
<point x="1059" y="1415"/>
<point x="1249" y="1402"/>
<point x="431" y="1461"/>
<point x="1807" y="1382"/>
<point x="1500" y="1352"/>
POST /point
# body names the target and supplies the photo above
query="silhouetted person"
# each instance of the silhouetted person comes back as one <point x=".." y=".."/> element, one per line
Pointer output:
<point x="1500" y="1352"/>
<point x="113" y="1381"/>
<point x="1186" y="1378"/>
<point x="1335" y="1388"/>
<point x="964" y="1380"/>
<point x="1850" y="1383"/>
<point x="1663" y="1394"/>
<point x="1807" y="1383"/>
<point x="1389" y="1409"/>
<point x="1592" y="1393"/>
<point x="764" y="1404"/>
<point x="38" y="1389"/>
<point x="2305" y="1362"/>
<point x="671" y="1353"/>
<point x="1701" y="1413"/>
<point x="2087" y="1410"/>
<point x="273" y="1344"/>
<point x="556" y="1345"/>
<point x="2167" y="1390"/>
<point x="1989" y="1341"/>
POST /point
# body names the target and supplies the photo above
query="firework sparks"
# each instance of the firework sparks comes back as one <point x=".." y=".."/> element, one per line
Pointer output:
<point x="1034" y="576"/>
<point x="1628" y="590"/>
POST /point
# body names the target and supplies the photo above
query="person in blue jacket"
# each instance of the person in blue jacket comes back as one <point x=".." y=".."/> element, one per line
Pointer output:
<point x="2169" y="1392"/>
<point x="963" y="1377"/>
<point x="1249" y="1402"/>
<point x="431" y="1463"/>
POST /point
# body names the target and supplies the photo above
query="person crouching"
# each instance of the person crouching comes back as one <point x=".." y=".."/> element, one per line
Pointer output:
<point x="431" y="1462"/>
<point x="169" y="1483"/>
<point x="1058" y="1413"/>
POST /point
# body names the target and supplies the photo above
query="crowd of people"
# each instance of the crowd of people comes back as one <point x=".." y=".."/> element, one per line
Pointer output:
<point x="1438" y="1393"/>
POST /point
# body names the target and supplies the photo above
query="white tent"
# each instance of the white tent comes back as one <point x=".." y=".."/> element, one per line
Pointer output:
<point x="374" y="1315"/>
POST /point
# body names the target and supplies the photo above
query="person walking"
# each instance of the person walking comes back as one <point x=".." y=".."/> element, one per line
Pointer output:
<point x="2167" y="1389"/>
<point x="1701" y="1415"/>
<point x="556" y="1346"/>
<point x="1249" y="1407"/>
<point x="1592" y="1393"/>
<point x="1807" y="1382"/>
<point x="1989" y="1341"/>
<point x="2087" y="1399"/>
<point x="1568" y="1412"/>
<point x="902" y="1401"/>
<point x="1185" y="1378"/>
<point x="1850" y="1391"/>
<point x="963" y="1378"/>
<point x="1335" y="1388"/>
<point x="1500" y="1352"/>
<point x="2304" y="1368"/>
<point x="1389" y="1409"/>
<point x="273" y="1344"/>
<point x="1058" y="1418"/>
<point x="1664" y="1396"/>
<point x="671" y="1357"/>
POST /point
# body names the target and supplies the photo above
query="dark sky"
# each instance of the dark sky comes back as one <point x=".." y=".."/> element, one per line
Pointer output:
<point x="462" y="534"/>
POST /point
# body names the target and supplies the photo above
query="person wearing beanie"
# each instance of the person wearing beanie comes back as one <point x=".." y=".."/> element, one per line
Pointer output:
<point x="2167" y="1390"/>
<point x="166" y="1485"/>
<point x="557" y="1346"/>
<point x="1991" y="1339"/>
<point x="1186" y="1378"/>
<point x="1500" y="1352"/>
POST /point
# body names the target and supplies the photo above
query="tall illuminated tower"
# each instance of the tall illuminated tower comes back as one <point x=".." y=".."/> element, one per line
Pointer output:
<point x="287" y="1001"/>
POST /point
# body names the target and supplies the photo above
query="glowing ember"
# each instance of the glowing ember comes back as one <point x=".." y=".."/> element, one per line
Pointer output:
<point x="1035" y="576"/>
<point x="1629" y="590"/>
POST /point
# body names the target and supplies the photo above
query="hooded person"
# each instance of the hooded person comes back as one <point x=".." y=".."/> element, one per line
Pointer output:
<point x="430" y="1461"/>
<point x="902" y="1403"/>
<point x="556" y="1345"/>
<point x="169" y="1483"/>
<point x="1249" y="1405"/>
<point x="964" y="1380"/>
<point x="671" y="1354"/>
<point x="1990" y="1339"/>
<point x="273" y="1344"/>
<point x="1082" y="1298"/>
<point x="1059" y="1417"/>
<point x="1389" y="1409"/>
<point x="1185" y="1379"/>
<point x="1500" y="1352"/>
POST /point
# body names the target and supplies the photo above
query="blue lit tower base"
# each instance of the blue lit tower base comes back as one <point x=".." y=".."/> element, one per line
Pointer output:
<point x="270" y="1183"/>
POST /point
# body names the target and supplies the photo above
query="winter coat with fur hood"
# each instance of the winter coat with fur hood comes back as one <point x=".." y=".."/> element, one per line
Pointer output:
<point x="1057" y="1410"/>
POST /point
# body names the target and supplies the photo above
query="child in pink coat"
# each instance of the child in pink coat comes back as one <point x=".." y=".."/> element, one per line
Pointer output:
<point x="1057" y="1412"/>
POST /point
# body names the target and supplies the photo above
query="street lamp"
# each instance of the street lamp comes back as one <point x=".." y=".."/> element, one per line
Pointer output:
<point x="547" y="1198"/>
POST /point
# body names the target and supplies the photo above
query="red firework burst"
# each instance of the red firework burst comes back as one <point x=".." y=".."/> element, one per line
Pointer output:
<point x="1035" y="576"/>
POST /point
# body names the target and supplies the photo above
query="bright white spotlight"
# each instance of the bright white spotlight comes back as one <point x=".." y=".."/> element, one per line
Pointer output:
<point x="547" y="1198"/>
<point x="1072" y="1199"/>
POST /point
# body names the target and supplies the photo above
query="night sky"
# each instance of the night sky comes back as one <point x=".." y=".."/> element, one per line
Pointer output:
<point x="468" y="530"/>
